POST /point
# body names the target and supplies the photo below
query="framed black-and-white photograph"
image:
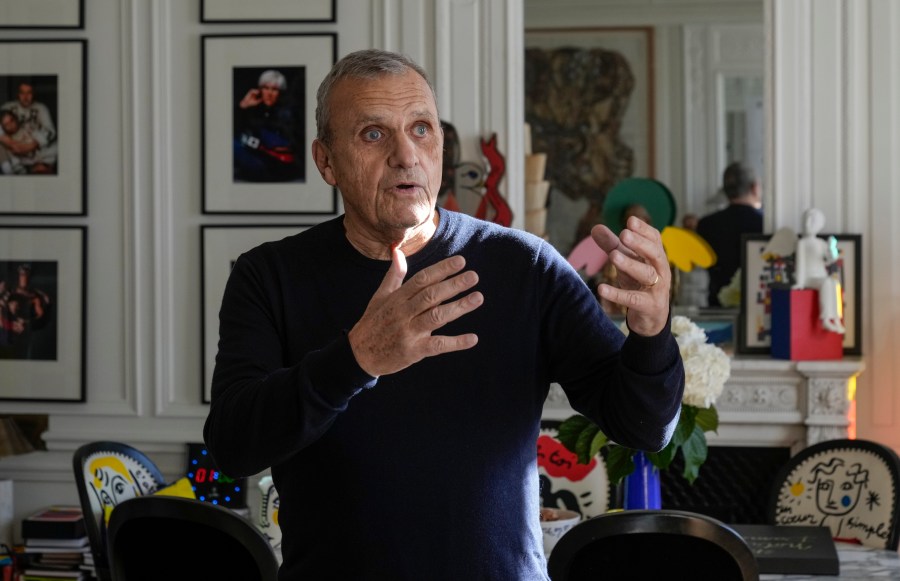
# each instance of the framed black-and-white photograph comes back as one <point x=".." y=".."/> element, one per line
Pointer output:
<point x="761" y="270"/>
<point x="41" y="14"/>
<point x="259" y="102"/>
<point x="267" y="11"/>
<point x="42" y="304"/>
<point x="220" y="246"/>
<point x="43" y="143"/>
<point x="589" y="104"/>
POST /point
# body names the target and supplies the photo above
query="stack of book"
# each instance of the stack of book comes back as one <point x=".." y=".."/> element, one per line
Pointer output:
<point x="56" y="543"/>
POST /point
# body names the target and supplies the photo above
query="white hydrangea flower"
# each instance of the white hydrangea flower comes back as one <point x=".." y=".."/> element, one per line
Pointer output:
<point x="706" y="366"/>
<point x="706" y="369"/>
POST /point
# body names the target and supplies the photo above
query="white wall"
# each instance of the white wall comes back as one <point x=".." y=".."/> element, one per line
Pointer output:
<point x="833" y="127"/>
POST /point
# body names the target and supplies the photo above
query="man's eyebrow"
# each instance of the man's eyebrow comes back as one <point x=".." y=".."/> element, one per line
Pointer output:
<point x="377" y="118"/>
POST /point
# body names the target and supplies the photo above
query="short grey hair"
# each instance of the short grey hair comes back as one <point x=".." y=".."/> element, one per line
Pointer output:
<point x="272" y="78"/>
<point x="738" y="180"/>
<point x="362" y="64"/>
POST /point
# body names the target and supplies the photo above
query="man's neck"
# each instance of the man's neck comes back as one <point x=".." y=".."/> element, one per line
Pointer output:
<point x="746" y="201"/>
<point x="379" y="247"/>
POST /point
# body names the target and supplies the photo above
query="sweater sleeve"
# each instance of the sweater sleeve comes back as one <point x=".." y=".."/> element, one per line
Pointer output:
<point x="262" y="412"/>
<point x="645" y="415"/>
<point x="630" y="386"/>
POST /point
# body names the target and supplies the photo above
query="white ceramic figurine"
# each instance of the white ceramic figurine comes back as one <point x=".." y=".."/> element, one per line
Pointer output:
<point x="813" y="256"/>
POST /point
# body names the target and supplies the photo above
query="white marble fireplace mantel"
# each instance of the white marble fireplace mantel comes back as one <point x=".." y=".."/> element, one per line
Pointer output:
<point x="772" y="402"/>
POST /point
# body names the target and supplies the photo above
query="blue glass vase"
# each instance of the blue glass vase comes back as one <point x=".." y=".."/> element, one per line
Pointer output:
<point x="642" y="489"/>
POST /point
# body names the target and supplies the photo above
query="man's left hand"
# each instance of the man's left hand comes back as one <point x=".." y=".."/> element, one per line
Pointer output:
<point x="644" y="278"/>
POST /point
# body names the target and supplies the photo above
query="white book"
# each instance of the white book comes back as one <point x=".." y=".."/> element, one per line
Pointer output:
<point x="57" y="543"/>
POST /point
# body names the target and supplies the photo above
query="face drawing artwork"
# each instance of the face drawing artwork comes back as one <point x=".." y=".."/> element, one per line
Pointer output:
<point x="114" y="478"/>
<point x="838" y="489"/>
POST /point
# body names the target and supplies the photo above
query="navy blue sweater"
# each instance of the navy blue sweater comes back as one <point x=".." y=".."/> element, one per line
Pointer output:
<point x="428" y="473"/>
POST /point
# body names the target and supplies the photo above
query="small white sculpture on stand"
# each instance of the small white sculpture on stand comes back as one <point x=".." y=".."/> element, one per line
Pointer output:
<point x="811" y="261"/>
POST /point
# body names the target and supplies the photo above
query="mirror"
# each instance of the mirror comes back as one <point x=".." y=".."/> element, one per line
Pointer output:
<point x="706" y="93"/>
<point x="742" y="120"/>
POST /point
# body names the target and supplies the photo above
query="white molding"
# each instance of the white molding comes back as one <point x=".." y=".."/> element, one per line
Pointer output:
<point x="880" y="30"/>
<point x="163" y="218"/>
<point x="592" y="13"/>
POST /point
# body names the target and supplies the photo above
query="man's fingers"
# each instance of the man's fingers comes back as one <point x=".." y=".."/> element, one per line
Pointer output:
<point x="605" y="238"/>
<point x="393" y="280"/>
<point x="441" y="314"/>
<point x="396" y="329"/>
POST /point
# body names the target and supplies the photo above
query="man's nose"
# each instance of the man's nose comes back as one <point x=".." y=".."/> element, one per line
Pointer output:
<point x="404" y="151"/>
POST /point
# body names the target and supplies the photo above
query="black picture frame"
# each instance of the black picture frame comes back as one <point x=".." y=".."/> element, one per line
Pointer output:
<point x="54" y="73"/>
<point x="758" y="274"/>
<point x="49" y="14"/>
<point x="253" y="161"/>
<point x="267" y="11"/>
<point x="220" y="246"/>
<point x="43" y="343"/>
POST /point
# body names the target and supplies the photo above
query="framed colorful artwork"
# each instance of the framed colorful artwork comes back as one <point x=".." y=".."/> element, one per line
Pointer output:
<point x="220" y="246"/>
<point x="42" y="304"/>
<point x="273" y="11"/>
<point x="760" y="271"/>
<point x="41" y="13"/>
<point x="43" y="145"/>
<point x="589" y="104"/>
<point x="259" y="102"/>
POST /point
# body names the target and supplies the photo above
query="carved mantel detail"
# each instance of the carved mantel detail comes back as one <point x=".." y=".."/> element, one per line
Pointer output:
<point x="772" y="402"/>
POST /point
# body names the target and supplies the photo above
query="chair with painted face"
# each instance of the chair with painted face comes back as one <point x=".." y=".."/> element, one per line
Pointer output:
<point x="850" y="486"/>
<point x="106" y="474"/>
<point x="268" y="514"/>
<point x="584" y="488"/>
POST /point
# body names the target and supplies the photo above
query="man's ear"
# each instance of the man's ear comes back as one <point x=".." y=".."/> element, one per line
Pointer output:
<point x="322" y="156"/>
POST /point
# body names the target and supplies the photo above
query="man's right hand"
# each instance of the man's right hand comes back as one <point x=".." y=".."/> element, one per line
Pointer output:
<point x="396" y="329"/>
<point x="251" y="99"/>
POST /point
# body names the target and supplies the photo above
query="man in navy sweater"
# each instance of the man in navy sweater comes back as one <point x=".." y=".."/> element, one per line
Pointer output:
<point x="390" y="365"/>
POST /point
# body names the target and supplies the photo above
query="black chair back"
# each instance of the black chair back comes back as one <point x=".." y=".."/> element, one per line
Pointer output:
<point x="166" y="537"/>
<point x="652" y="544"/>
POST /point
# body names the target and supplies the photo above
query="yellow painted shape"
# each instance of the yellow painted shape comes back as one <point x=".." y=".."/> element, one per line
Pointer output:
<point x="686" y="249"/>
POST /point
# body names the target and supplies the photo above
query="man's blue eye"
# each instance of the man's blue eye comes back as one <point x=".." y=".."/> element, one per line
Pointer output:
<point x="373" y="134"/>
<point x="421" y="130"/>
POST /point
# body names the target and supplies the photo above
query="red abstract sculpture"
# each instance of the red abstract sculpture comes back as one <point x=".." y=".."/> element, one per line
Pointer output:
<point x="502" y="213"/>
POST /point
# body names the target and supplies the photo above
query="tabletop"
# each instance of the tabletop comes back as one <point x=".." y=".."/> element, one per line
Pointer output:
<point x="857" y="562"/>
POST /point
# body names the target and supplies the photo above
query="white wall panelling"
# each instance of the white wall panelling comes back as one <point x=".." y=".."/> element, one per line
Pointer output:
<point x="835" y="122"/>
<point x="875" y="33"/>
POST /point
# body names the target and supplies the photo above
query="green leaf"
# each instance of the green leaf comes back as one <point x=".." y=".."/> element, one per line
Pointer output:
<point x="664" y="457"/>
<point x="694" y="451"/>
<point x="619" y="463"/>
<point x="585" y="439"/>
<point x="570" y="429"/>
<point x="597" y="443"/>
<point x="582" y="437"/>
<point x="686" y="422"/>
<point x="708" y="419"/>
